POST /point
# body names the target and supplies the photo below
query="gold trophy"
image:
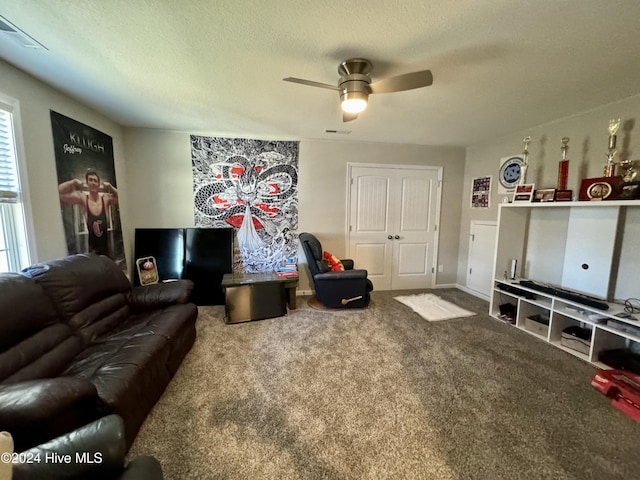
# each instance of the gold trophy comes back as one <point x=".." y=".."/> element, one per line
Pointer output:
<point x="629" y="172"/>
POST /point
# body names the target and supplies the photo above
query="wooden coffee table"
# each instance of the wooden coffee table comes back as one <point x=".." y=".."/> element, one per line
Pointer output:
<point x="255" y="296"/>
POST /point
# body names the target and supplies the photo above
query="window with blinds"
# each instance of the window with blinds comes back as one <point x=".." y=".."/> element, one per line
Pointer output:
<point x="8" y="169"/>
<point x="13" y="244"/>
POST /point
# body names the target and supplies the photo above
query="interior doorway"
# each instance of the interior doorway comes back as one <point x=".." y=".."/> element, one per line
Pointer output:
<point x="393" y="217"/>
<point x="482" y="244"/>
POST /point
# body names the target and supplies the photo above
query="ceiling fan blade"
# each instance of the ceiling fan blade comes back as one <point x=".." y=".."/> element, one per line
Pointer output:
<point x="310" y="83"/>
<point x="347" y="117"/>
<point x="408" y="81"/>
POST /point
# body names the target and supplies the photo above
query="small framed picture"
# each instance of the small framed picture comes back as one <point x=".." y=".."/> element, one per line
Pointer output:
<point x="564" y="195"/>
<point x="147" y="270"/>
<point x="524" y="192"/>
<point x="544" y="195"/>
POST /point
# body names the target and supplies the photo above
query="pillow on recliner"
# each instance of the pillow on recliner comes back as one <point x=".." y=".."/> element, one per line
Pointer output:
<point x="322" y="266"/>
<point x="334" y="264"/>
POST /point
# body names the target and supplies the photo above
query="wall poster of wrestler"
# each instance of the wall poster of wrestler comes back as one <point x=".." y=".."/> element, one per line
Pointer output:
<point x="87" y="189"/>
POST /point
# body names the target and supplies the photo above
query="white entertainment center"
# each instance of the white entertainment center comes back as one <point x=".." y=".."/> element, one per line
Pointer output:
<point x="591" y="248"/>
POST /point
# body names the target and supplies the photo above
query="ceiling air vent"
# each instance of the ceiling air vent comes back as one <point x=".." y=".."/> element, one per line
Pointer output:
<point x="9" y="31"/>
<point x="338" y="132"/>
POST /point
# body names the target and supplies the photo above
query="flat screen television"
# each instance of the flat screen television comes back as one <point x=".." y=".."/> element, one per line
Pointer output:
<point x="166" y="245"/>
<point x="202" y="255"/>
<point x="208" y="256"/>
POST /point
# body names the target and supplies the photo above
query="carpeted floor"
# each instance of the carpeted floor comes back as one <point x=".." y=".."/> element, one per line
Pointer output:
<point x="382" y="393"/>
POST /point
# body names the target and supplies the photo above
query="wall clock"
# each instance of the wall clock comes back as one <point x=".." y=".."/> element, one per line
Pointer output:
<point x="510" y="171"/>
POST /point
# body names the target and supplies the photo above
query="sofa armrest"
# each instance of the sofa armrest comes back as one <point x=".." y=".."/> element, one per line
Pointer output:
<point x="349" y="288"/>
<point x="144" y="467"/>
<point x="346" y="275"/>
<point x="34" y="400"/>
<point x="36" y="410"/>
<point x="95" y="451"/>
<point x="160" y="295"/>
<point x="347" y="263"/>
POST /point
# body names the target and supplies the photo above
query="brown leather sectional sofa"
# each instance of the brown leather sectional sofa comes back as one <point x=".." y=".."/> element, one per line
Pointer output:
<point x="77" y="343"/>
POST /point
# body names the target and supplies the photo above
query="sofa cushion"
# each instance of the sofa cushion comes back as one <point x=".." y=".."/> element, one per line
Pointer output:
<point x="36" y="410"/>
<point x="43" y="355"/>
<point x="89" y="292"/>
<point x="33" y="343"/>
<point x="29" y="307"/>
<point x="101" y="317"/>
<point x="160" y="295"/>
<point x="77" y="282"/>
<point x="166" y="322"/>
<point x="129" y="374"/>
<point x="176" y="323"/>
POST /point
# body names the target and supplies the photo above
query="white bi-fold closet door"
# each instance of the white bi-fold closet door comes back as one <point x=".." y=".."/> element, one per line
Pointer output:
<point x="393" y="221"/>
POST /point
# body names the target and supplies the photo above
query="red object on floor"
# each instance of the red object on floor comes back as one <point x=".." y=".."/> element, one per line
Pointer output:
<point x="622" y="387"/>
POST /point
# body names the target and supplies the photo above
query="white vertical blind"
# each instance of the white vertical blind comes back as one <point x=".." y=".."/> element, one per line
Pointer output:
<point x="9" y="186"/>
<point x="14" y="252"/>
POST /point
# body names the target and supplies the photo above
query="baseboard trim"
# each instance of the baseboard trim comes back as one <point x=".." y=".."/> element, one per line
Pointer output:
<point x="446" y="285"/>
<point x="308" y="293"/>
<point x="472" y="292"/>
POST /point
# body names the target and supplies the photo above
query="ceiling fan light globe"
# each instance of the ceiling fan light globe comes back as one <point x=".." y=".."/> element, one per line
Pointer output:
<point x="354" y="105"/>
<point x="353" y="102"/>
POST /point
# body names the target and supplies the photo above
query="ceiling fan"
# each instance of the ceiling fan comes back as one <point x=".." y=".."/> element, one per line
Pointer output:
<point x="355" y="85"/>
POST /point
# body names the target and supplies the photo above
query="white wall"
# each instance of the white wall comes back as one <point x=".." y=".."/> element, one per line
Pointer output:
<point x="35" y="100"/>
<point x="588" y="144"/>
<point x="159" y="172"/>
<point x="155" y="182"/>
<point x="323" y="191"/>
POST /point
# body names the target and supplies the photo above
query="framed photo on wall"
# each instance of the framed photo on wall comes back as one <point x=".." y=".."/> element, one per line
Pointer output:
<point x="481" y="192"/>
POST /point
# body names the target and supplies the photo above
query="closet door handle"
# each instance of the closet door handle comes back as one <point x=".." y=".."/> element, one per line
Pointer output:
<point x="397" y="237"/>
<point x="390" y="237"/>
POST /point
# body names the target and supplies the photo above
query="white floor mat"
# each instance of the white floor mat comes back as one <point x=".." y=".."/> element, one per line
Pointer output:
<point x="432" y="307"/>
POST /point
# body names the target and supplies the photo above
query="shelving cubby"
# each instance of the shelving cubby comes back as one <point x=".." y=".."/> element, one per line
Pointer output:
<point x="587" y="247"/>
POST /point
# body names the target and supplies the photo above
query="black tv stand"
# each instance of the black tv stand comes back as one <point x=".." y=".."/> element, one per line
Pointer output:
<point x="507" y="287"/>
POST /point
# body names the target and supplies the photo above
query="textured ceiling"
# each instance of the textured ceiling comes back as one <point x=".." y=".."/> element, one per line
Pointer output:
<point x="216" y="67"/>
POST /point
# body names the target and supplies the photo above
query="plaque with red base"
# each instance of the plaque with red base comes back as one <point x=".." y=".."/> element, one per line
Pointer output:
<point x="600" y="188"/>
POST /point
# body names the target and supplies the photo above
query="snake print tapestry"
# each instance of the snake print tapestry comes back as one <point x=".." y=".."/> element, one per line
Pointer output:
<point x="251" y="185"/>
